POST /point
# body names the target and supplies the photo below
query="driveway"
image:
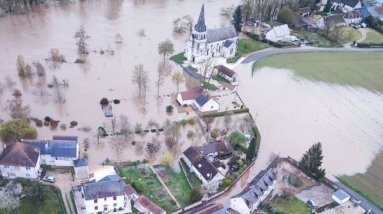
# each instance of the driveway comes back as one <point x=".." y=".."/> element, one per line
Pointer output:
<point x="273" y="51"/>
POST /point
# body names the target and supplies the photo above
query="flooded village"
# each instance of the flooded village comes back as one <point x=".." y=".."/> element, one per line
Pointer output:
<point x="165" y="106"/>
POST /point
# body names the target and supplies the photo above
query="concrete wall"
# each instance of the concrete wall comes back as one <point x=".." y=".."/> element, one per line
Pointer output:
<point x="11" y="172"/>
<point x="101" y="203"/>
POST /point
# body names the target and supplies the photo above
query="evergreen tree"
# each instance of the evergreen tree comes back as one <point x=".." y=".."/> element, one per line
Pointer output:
<point x="237" y="19"/>
<point x="311" y="161"/>
<point x="250" y="154"/>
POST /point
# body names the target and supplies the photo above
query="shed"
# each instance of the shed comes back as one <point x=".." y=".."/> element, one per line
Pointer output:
<point x="340" y="196"/>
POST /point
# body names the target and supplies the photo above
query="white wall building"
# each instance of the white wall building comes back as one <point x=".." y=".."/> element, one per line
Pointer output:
<point x="203" y="43"/>
<point x="248" y="200"/>
<point x="280" y="33"/>
<point x="353" y="17"/>
<point x="20" y="160"/>
<point x="202" y="102"/>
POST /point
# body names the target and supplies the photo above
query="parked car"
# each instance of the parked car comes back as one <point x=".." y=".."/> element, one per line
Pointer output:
<point x="311" y="204"/>
<point x="49" y="179"/>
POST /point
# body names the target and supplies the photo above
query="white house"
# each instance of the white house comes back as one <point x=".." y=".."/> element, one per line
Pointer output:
<point x="61" y="151"/>
<point x="20" y="160"/>
<point x="340" y="196"/>
<point x="280" y="33"/>
<point x="201" y="101"/>
<point x="201" y="166"/>
<point x="228" y="74"/>
<point x="248" y="200"/>
<point x="353" y="17"/>
<point x="144" y="205"/>
<point x="110" y="194"/>
<point x="203" y="43"/>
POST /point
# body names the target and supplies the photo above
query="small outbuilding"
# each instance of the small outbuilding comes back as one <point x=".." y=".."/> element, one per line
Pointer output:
<point x="81" y="169"/>
<point x="340" y="196"/>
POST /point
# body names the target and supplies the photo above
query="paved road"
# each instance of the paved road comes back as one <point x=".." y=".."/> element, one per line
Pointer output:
<point x="364" y="203"/>
<point x="271" y="52"/>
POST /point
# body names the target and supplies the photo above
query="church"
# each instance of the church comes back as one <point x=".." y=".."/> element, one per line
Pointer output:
<point x="203" y="43"/>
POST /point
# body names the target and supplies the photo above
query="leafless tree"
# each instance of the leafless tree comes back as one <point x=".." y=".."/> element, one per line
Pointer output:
<point x="82" y="37"/>
<point x="118" y="143"/>
<point x="114" y="124"/>
<point x="160" y="78"/>
<point x="9" y="83"/>
<point x="140" y="77"/>
<point x="40" y="70"/>
<point x="152" y="148"/>
<point x="16" y="107"/>
<point x="118" y="39"/>
<point x="41" y="91"/>
<point x="207" y="69"/>
<point x="56" y="57"/>
<point x="177" y="79"/>
<point x="227" y="12"/>
<point x="172" y="135"/>
<point x="21" y="67"/>
<point x="57" y="86"/>
<point x="183" y="24"/>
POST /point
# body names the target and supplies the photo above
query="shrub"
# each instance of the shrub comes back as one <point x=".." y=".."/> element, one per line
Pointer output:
<point x="183" y="122"/>
<point x="104" y="101"/>
<point x="227" y="182"/>
<point x="195" y="195"/>
<point x="250" y="153"/>
<point x="18" y="128"/>
<point x="47" y="118"/>
<point x="236" y="139"/>
<point x="80" y="61"/>
<point x="115" y="101"/>
<point x="73" y="123"/>
<point x="294" y="180"/>
<point x="153" y="130"/>
<point x="169" y="109"/>
<point x="191" y="121"/>
<point x="214" y="133"/>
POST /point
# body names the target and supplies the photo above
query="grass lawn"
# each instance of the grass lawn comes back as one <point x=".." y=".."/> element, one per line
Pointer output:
<point x="317" y="39"/>
<point x="219" y="78"/>
<point x="374" y="37"/>
<point x="349" y="34"/>
<point x="246" y="46"/>
<point x="194" y="180"/>
<point x="178" y="58"/>
<point x="145" y="182"/>
<point x="291" y="206"/>
<point x="53" y="202"/>
<point x="209" y="86"/>
<point x="354" y="69"/>
<point x="369" y="184"/>
<point x="177" y="184"/>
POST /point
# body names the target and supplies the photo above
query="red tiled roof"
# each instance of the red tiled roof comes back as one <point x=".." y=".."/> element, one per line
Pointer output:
<point x="129" y="190"/>
<point x="147" y="204"/>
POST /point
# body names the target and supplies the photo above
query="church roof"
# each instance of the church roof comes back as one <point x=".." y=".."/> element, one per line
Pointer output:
<point x="201" y="26"/>
<point x="220" y="34"/>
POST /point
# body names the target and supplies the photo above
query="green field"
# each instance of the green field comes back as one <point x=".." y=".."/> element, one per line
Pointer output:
<point x="369" y="184"/>
<point x="178" y="58"/>
<point x="145" y="182"/>
<point x="317" y="39"/>
<point x="354" y="69"/>
<point x="291" y="206"/>
<point x="246" y="46"/>
<point x="374" y="37"/>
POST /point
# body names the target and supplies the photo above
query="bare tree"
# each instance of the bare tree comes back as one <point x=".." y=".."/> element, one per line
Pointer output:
<point x="207" y="69"/>
<point x="140" y="77"/>
<point x="177" y="79"/>
<point x="41" y="91"/>
<point x="227" y="12"/>
<point x="118" y="39"/>
<point x="152" y="148"/>
<point x="82" y="37"/>
<point x="114" y="124"/>
<point x="56" y="57"/>
<point x="166" y="48"/>
<point x="191" y="135"/>
<point x="172" y="135"/>
<point x="16" y="107"/>
<point x="119" y="143"/>
<point x="183" y="24"/>
<point x="60" y="97"/>
<point x="40" y="70"/>
<point x="9" y="83"/>
<point x="160" y="78"/>
<point x="167" y="159"/>
<point x="21" y="67"/>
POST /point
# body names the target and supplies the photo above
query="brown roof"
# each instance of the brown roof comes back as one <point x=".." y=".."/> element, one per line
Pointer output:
<point x="201" y="163"/>
<point x="189" y="95"/>
<point x="129" y="190"/>
<point x="149" y="205"/>
<point x="218" y="146"/>
<point x="225" y="70"/>
<point x="20" y="154"/>
<point x="353" y="15"/>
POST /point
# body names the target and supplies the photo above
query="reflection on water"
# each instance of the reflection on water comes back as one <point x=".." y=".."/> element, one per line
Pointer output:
<point x="293" y="113"/>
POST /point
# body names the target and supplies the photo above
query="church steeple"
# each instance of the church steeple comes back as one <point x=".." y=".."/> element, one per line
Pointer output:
<point x="200" y="26"/>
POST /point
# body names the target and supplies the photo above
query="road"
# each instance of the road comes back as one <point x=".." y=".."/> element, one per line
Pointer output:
<point x="271" y="52"/>
<point x="364" y="203"/>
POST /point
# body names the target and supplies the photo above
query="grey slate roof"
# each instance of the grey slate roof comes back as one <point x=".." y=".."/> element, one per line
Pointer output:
<point x="257" y="187"/>
<point x="341" y="194"/>
<point x="56" y="148"/>
<point x="220" y="34"/>
<point x="201" y="163"/>
<point x="20" y="154"/>
<point x="227" y="43"/>
<point x="80" y="162"/>
<point x="103" y="189"/>
<point x="201" y="26"/>
<point x="351" y="3"/>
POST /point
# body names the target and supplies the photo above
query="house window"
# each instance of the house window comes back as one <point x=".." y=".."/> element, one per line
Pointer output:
<point x="115" y="204"/>
<point x="105" y="199"/>
<point x="114" y="198"/>
<point x="96" y="208"/>
<point x="10" y="174"/>
<point x="28" y="168"/>
<point x="28" y="175"/>
<point x="95" y="200"/>
<point x="6" y="166"/>
<point x="231" y="50"/>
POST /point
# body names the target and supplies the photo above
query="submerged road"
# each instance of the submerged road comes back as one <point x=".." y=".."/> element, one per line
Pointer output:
<point x="271" y="52"/>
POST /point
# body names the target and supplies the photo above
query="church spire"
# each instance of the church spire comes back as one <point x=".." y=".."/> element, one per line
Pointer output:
<point x="200" y="26"/>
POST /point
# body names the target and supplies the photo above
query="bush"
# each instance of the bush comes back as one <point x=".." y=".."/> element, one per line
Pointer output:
<point x="195" y="195"/>
<point x="18" y="128"/>
<point x="80" y="61"/>
<point x="214" y="133"/>
<point x="169" y="109"/>
<point x="236" y="139"/>
<point x="191" y="121"/>
<point x="227" y="182"/>
<point x="115" y="101"/>
<point x="153" y="130"/>
<point x="183" y="122"/>
<point x="47" y="119"/>
<point x="73" y="123"/>
<point x="104" y="101"/>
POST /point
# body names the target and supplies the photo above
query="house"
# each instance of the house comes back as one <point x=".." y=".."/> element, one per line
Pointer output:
<point x="216" y="149"/>
<point x="280" y="33"/>
<point x="109" y="194"/>
<point x="340" y="196"/>
<point x="144" y="205"/>
<point x="201" y="101"/>
<point x="61" y="151"/>
<point x="203" y="43"/>
<point x="334" y="21"/>
<point x="20" y="160"/>
<point x="201" y="166"/>
<point x="81" y="169"/>
<point x="353" y="17"/>
<point x="248" y="200"/>
<point x="376" y="12"/>
<point x="228" y="74"/>
<point x="346" y="5"/>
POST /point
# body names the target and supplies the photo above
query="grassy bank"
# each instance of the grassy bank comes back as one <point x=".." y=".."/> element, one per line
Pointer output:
<point x="291" y="206"/>
<point x="178" y="58"/>
<point x="369" y="184"/>
<point x="374" y="37"/>
<point x="246" y="46"/>
<point x="354" y="69"/>
<point x="317" y="39"/>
